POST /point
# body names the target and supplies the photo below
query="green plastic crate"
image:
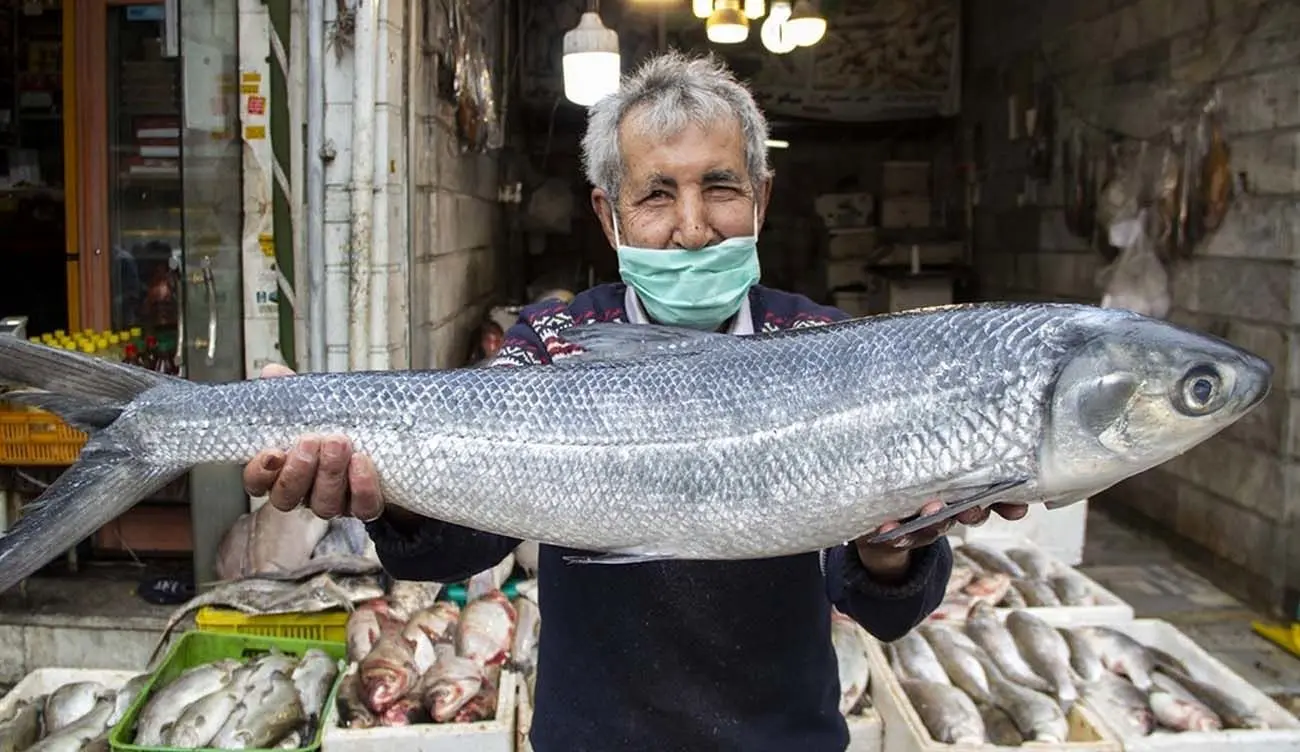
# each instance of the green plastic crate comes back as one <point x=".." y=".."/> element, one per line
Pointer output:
<point x="197" y="648"/>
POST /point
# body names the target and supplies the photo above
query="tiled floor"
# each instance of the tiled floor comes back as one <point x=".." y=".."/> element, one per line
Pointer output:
<point x="1145" y="572"/>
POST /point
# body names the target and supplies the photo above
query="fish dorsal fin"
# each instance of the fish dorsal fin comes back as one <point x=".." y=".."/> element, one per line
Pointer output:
<point x="611" y="342"/>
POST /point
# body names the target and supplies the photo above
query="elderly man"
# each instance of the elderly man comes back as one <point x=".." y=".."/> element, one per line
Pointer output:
<point x="671" y="655"/>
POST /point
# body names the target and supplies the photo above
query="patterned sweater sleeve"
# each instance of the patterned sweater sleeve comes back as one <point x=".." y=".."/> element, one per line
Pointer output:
<point x="441" y="551"/>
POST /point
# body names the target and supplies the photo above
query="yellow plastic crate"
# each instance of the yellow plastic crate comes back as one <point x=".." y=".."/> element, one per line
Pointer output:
<point x="326" y="626"/>
<point x="35" y="437"/>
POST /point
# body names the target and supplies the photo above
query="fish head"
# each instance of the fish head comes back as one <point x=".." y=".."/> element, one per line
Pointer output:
<point x="1134" y="392"/>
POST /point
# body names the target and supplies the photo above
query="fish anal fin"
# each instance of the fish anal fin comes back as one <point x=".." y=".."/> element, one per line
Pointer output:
<point x="626" y="556"/>
<point x="974" y="497"/>
<point x="607" y="341"/>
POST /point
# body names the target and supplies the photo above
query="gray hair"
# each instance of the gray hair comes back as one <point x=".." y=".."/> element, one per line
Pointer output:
<point x="670" y="91"/>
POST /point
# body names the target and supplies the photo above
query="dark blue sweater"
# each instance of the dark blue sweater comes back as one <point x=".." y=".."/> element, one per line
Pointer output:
<point x="680" y="655"/>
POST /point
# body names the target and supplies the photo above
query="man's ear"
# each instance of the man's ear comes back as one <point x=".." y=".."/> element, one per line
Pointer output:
<point x="763" y="197"/>
<point x="600" y="203"/>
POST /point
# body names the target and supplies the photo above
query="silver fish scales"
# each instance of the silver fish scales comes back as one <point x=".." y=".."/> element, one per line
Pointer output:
<point x="660" y="442"/>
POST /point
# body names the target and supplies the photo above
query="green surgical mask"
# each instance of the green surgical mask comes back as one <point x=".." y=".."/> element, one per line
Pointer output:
<point x="698" y="289"/>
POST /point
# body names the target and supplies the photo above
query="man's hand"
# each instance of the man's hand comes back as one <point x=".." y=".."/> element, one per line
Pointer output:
<point x="888" y="562"/>
<point x="320" y="471"/>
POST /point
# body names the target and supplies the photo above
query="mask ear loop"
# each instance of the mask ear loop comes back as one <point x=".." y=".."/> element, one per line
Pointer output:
<point x="755" y="218"/>
<point x="614" y="218"/>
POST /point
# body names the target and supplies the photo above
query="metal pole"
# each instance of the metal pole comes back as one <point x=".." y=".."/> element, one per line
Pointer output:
<point x="316" y="184"/>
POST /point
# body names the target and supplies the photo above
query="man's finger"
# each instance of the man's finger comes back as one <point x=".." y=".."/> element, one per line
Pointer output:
<point x="1012" y="511"/>
<point x="973" y="517"/>
<point x="367" y="502"/>
<point x="295" y="480"/>
<point x="271" y="370"/>
<point x="329" y="491"/>
<point x="260" y="474"/>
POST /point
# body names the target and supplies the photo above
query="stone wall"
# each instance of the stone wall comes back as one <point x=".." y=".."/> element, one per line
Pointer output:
<point x="1116" y="63"/>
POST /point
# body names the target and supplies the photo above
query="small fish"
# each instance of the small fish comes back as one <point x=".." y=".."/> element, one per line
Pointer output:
<point x="989" y="587"/>
<point x="1120" y="654"/>
<point x="992" y="559"/>
<point x="528" y="631"/>
<point x="351" y="707"/>
<point x="363" y="628"/>
<point x="1071" y="590"/>
<point x="956" y="654"/>
<point x="1013" y="599"/>
<point x="1125" y="702"/>
<point x="483" y="705"/>
<point x="1036" y="564"/>
<point x="453" y="681"/>
<point x="949" y="715"/>
<point x="388" y="671"/>
<point x="1037" y="593"/>
<point x="990" y="633"/>
<point x="958" y="579"/>
<point x="916" y="659"/>
<point x="70" y="702"/>
<point x="127" y="695"/>
<point x="199" y="723"/>
<point x="486" y="629"/>
<point x="849" y="640"/>
<point x="408" y="597"/>
<point x="166" y="704"/>
<point x="1038" y="717"/>
<point x="272" y="710"/>
<point x="1179" y="714"/>
<point x="1000" y="728"/>
<point x="1083" y="658"/>
<point x="313" y="678"/>
<point x="78" y="735"/>
<point x="1046" y="651"/>
<point x="1234" y="712"/>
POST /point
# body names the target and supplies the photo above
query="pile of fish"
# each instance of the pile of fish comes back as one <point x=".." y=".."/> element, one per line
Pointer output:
<point x="1015" y="681"/>
<point x="1017" y="578"/>
<point x="76" y="716"/>
<point x="421" y="660"/>
<point x="273" y="701"/>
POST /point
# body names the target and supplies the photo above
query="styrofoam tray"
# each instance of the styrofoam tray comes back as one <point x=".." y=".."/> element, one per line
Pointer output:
<point x="496" y="735"/>
<point x="524" y="720"/>
<point x="1109" y="608"/>
<point x="866" y="731"/>
<point x="1207" y="668"/>
<point x="43" y="681"/>
<point x="904" y="731"/>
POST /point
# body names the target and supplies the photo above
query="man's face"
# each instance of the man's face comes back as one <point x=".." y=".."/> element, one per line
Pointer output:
<point x="687" y="191"/>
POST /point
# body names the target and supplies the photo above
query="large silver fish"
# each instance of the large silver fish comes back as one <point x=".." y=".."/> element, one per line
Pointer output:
<point x="843" y="427"/>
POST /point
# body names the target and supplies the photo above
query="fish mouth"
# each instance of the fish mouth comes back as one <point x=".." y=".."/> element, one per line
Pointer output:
<point x="383" y="688"/>
<point x="449" y="698"/>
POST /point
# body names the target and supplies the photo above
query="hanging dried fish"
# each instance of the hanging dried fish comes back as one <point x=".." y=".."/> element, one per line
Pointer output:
<point x="1217" y="177"/>
<point x="1167" y="196"/>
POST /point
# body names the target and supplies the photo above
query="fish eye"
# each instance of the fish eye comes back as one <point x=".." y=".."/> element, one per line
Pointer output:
<point x="1199" y="390"/>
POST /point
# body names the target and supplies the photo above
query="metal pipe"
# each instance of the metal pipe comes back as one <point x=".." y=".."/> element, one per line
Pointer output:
<point x="377" y="358"/>
<point x="363" y="184"/>
<point x="296" y="80"/>
<point x="316" y="184"/>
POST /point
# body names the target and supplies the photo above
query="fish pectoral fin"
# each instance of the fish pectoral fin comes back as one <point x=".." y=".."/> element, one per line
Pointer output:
<point x="976" y="496"/>
<point x="607" y="341"/>
<point x="1062" y="503"/>
<point x="626" y="556"/>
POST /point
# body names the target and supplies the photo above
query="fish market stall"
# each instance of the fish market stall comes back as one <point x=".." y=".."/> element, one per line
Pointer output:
<point x="1196" y="702"/>
<point x="1016" y="574"/>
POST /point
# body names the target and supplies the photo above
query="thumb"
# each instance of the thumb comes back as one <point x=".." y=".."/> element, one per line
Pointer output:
<point x="271" y="370"/>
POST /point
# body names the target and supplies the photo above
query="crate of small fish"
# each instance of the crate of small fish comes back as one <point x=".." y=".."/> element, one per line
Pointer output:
<point x="1156" y="689"/>
<point x="995" y="680"/>
<point x="217" y="691"/>
<point x="66" y="708"/>
<point x="1019" y="575"/>
<point x="434" y="676"/>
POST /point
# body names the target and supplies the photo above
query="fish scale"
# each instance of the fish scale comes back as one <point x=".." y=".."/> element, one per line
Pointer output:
<point x="659" y="442"/>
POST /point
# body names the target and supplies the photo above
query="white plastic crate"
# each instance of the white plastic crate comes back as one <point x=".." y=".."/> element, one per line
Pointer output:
<point x="1285" y="737"/>
<point x="866" y="731"/>
<point x="43" y="681"/>
<point x="496" y="735"/>
<point x="904" y="731"/>
<point x="1108" y="609"/>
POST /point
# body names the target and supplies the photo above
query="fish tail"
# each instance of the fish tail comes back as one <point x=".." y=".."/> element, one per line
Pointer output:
<point x="104" y="482"/>
<point x="90" y="394"/>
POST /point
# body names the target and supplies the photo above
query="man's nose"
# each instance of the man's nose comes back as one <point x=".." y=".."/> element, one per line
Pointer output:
<point x="693" y="231"/>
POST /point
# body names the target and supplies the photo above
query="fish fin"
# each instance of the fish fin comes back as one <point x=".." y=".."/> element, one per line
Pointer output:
<point x="607" y="341"/>
<point x="77" y="374"/>
<point x="85" y="414"/>
<point x="629" y="556"/>
<point x="104" y="482"/>
<point x="978" y="496"/>
<point x="1061" y="503"/>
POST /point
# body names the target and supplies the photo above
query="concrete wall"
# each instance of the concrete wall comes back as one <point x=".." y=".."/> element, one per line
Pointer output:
<point x="457" y="234"/>
<point x="1116" y="62"/>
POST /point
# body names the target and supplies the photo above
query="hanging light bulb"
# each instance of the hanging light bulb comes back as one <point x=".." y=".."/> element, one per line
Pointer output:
<point x="702" y="8"/>
<point x="727" y="25"/>
<point x="591" y="61"/>
<point x="805" y="27"/>
<point x="754" y="8"/>
<point x="772" y="33"/>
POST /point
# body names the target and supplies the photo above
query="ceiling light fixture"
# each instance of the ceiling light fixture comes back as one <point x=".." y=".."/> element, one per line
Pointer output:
<point x="727" y="25"/>
<point x="772" y="33"/>
<point x="805" y="27"/>
<point x="591" y="63"/>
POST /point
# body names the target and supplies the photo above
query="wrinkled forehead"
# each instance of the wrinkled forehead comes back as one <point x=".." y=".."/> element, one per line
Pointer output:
<point x="673" y="145"/>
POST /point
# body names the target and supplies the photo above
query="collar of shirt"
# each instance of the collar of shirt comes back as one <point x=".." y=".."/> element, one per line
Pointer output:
<point x="741" y="323"/>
